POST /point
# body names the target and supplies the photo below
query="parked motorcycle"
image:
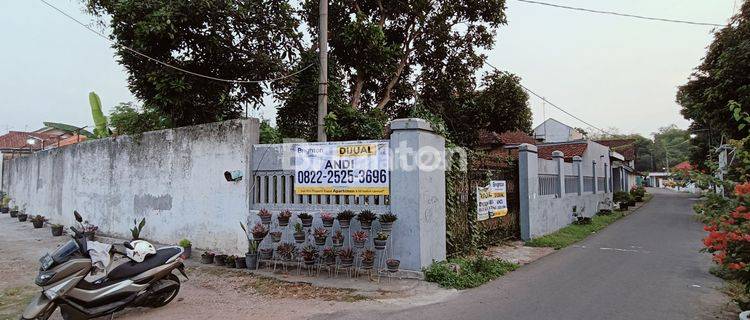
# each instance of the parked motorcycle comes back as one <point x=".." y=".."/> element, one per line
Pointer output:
<point x="63" y="277"/>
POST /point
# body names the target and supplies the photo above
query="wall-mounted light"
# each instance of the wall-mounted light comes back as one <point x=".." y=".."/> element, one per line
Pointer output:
<point x="231" y="176"/>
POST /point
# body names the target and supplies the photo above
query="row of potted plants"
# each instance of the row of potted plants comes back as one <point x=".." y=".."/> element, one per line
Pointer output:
<point x="365" y="218"/>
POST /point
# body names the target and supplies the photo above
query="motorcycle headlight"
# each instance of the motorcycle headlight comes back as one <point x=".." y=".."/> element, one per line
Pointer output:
<point x="43" y="278"/>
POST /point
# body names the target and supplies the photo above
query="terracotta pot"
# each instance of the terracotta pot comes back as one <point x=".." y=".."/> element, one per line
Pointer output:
<point x="265" y="220"/>
<point x="320" y="241"/>
<point x="309" y="262"/>
<point x="299" y="237"/>
<point x="259" y="237"/>
<point x="307" y="222"/>
<point x="328" y="223"/>
<point x="365" y="224"/>
<point x="283" y="222"/>
<point x="186" y="252"/>
<point x="393" y="265"/>
<point x="345" y="263"/>
<point x="367" y="264"/>
<point x="344" y="223"/>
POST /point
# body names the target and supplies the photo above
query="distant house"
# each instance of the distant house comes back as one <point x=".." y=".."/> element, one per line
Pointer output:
<point x="551" y="131"/>
<point x="16" y="143"/>
<point x="623" y="168"/>
<point x="503" y="144"/>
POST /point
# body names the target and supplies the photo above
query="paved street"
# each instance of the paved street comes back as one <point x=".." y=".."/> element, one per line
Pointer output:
<point x="645" y="266"/>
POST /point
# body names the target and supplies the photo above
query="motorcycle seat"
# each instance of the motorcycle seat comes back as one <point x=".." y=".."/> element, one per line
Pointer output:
<point x="131" y="268"/>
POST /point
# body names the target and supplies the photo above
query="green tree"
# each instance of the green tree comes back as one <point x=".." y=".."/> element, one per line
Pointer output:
<point x="128" y="119"/>
<point x="247" y="40"/>
<point x="269" y="134"/>
<point x="671" y="146"/>
<point x="722" y="79"/>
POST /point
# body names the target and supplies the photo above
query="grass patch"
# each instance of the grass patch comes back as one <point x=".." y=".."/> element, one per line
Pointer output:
<point x="574" y="233"/>
<point x="464" y="273"/>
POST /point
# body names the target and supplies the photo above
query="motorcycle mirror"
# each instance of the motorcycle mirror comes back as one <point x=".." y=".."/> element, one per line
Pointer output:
<point x="127" y="245"/>
<point x="78" y="216"/>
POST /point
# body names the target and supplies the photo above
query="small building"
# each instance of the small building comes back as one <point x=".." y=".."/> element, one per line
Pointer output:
<point x="624" y="155"/>
<point x="657" y="179"/>
<point x="552" y="131"/>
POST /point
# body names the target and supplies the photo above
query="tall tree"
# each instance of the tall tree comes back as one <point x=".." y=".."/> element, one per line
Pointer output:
<point x="246" y="40"/>
<point x="722" y="79"/>
<point x="671" y="146"/>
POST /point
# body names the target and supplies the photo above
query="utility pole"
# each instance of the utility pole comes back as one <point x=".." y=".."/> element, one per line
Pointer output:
<point x="323" y="69"/>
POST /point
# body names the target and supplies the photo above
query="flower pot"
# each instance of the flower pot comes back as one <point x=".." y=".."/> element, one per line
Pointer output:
<point x="345" y="263"/>
<point x="276" y="237"/>
<point x="299" y="237"/>
<point x="231" y="264"/>
<point x="359" y="244"/>
<point x="259" y="236"/>
<point x="309" y="262"/>
<point x="186" y="252"/>
<point x="328" y="223"/>
<point x="338" y="243"/>
<point x="239" y="263"/>
<point x="307" y="222"/>
<point x="393" y="265"/>
<point x="379" y="244"/>
<point x="265" y="254"/>
<point x="386" y="226"/>
<point x="22" y="217"/>
<point x="14" y="214"/>
<point x="4" y="210"/>
<point x="220" y="259"/>
<point x="367" y="264"/>
<point x="330" y="261"/>
<point x="207" y="258"/>
<point x="38" y="224"/>
<point x="283" y="222"/>
<point x="57" y="231"/>
<point x="365" y="224"/>
<point x="320" y="241"/>
<point x="265" y="220"/>
<point x="344" y="223"/>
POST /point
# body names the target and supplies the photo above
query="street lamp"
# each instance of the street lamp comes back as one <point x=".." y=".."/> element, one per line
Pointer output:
<point x="31" y="141"/>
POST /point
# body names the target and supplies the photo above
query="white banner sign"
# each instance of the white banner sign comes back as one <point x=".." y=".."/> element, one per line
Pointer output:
<point x="346" y="168"/>
<point x="492" y="200"/>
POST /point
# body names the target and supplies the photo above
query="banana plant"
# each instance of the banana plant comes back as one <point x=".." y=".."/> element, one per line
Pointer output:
<point x="100" y="121"/>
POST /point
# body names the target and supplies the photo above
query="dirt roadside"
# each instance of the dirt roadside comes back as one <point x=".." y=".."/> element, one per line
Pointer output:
<point x="211" y="292"/>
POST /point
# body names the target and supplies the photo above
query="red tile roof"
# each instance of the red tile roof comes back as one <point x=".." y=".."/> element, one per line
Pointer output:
<point x="508" y="137"/>
<point x="71" y="140"/>
<point x="17" y="140"/>
<point x="625" y="147"/>
<point x="570" y="150"/>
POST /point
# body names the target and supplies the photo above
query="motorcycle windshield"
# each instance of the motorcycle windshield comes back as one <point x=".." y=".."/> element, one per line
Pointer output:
<point x="63" y="252"/>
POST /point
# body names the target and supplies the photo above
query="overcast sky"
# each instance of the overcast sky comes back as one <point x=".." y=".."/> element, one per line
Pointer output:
<point x="610" y="71"/>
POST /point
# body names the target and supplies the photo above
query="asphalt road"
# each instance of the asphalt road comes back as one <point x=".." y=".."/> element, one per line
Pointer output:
<point x="644" y="266"/>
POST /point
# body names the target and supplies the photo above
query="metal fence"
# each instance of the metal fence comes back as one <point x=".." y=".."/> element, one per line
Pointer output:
<point x="571" y="184"/>
<point x="548" y="184"/>
<point x="588" y="184"/>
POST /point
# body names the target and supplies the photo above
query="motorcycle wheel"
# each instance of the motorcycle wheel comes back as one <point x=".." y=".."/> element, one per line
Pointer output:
<point x="167" y="297"/>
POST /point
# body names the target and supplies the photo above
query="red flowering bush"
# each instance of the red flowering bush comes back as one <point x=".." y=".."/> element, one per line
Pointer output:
<point x="729" y="233"/>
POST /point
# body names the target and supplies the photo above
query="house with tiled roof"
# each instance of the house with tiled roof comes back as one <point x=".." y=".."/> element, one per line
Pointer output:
<point x="503" y="144"/>
<point x="623" y="170"/>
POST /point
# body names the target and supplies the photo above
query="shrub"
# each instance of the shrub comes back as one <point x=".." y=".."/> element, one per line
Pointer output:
<point x="185" y="243"/>
<point x="464" y="273"/>
<point x="621" y="196"/>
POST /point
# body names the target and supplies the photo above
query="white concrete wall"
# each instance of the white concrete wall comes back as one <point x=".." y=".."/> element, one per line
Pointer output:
<point x="173" y="178"/>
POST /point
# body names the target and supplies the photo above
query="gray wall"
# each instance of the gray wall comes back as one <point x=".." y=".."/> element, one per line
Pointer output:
<point x="173" y="178"/>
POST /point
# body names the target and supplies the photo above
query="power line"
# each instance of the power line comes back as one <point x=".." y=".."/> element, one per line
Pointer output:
<point x="622" y="14"/>
<point x="137" y="53"/>
<point x="550" y="103"/>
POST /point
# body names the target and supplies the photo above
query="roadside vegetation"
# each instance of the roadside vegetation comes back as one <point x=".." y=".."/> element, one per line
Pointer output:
<point x="577" y="232"/>
<point x="465" y="273"/>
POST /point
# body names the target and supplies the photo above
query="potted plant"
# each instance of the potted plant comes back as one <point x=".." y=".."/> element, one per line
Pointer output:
<point x="259" y="232"/>
<point x="299" y="233"/>
<point x="365" y="219"/>
<point x="638" y="192"/>
<point x="344" y="218"/>
<point x="57" y="229"/>
<point x="309" y="253"/>
<point x="230" y="262"/>
<point x="286" y="251"/>
<point x="346" y="256"/>
<point x="89" y="230"/>
<point x="359" y="238"/>
<point x="392" y="264"/>
<point x="38" y="221"/>
<point x="380" y="241"/>
<point x="265" y="254"/>
<point x="275" y="236"/>
<point x="239" y="262"/>
<point x="265" y="216"/>
<point x="368" y="257"/>
<point x="386" y="221"/>
<point x="135" y="233"/>
<point x="4" y="202"/>
<point x="307" y="219"/>
<point x="220" y="259"/>
<point x="14" y="212"/>
<point x="207" y="257"/>
<point x="22" y="216"/>
<point x="327" y="219"/>
<point x="329" y="256"/>
<point x="621" y="198"/>
<point x="187" y="247"/>
<point x="284" y="218"/>
<point x="251" y="257"/>
<point x="338" y="239"/>
<point x="320" y="234"/>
